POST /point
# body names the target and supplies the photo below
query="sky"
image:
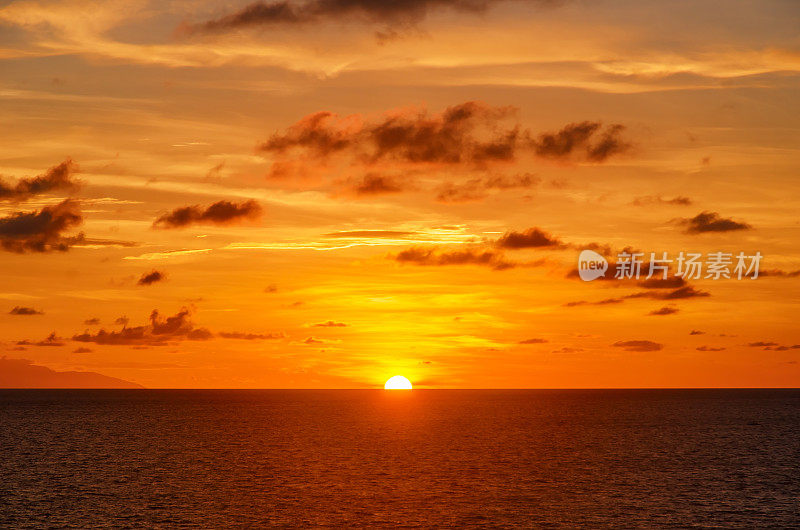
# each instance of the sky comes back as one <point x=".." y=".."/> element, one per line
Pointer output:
<point x="327" y="193"/>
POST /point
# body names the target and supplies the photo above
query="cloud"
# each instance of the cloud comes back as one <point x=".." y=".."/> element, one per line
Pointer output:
<point x="711" y="222"/>
<point x="219" y="213"/>
<point x="684" y="292"/>
<point x="567" y="349"/>
<point x="51" y="340"/>
<point x="92" y="321"/>
<point x="783" y="348"/>
<point x="329" y="324"/>
<point x="451" y="137"/>
<point x="681" y="293"/>
<point x="778" y="273"/>
<point x="390" y="15"/>
<point x="638" y="345"/>
<point x="41" y="231"/>
<point x="82" y="350"/>
<point x="389" y="149"/>
<point x="251" y="336"/>
<point x="530" y="238"/>
<point x="677" y="294"/>
<point x="533" y="341"/>
<point x="375" y="184"/>
<point x="670" y="282"/>
<point x="773" y="346"/>
<point x="150" y="278"/>
<point x="57" y="178"/>
<point x="585" y="139"/>
<point x="479" y="188"/>
<point x="312" y="340"/>
<point x="651" y="200"/>
<point x="20" y="310"/>
<point x="22" y="373"/>
<point x="159" y="331"/>
<point x="697" y="332"/>
<point x="709" y="348"/>
<point x="271" y="288"/>
<point x="437" y="257"/>
<point x="666" y="310"/>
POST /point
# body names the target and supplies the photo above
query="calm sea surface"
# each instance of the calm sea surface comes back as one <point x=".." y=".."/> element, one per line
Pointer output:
<point x="426" y="458"/>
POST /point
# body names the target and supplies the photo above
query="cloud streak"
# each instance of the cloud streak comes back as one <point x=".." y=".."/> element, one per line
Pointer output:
<point x="219" y="213"/>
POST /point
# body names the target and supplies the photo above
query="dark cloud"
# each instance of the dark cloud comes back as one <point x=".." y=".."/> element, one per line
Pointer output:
<point x="92" y="321"/>
<point x="530" y="238"/>
<point x="312" y="340"/>
<point x="271" y="288"/>
<point x="681" y="293"/>
<point x="608" y="301"/>
<point x="20" y="310"/>
<point x="666" y="310"/>
<point x="51" y="340"/>
<point x="711" y="222"/>
<point x="638" y="345"/>
<point x="329" y="324"/>
<point x="454" y="136"/>
<point x="676" y="294"/>
<point x="219" y="213"/>
<point x="122" y="321"/>
<point x="82" y="350"/>
<point x="159" y="331"/>
<point x="709" y="348"/>
<point x="374" y="184"/>
<point x="586" y="140"/>
<point x="697" y="332"/>
<point x="41" y="231"/>
<point x="57" y="178"/>
<point x="567" y="349"/>
<point x="151" y="277"/>
<point x="533" y="341"/>
<point x="684" y="292"/>
<point x="390" y="15"/>
<point x="470" y="135"/>
<point x="773" y="346"/>
<point x="778" y="273"/>
<point x="651" y="200"/>
<point x="250" y="336"/>
<point x="478" y="188"/>
<point x="437" y="257"/>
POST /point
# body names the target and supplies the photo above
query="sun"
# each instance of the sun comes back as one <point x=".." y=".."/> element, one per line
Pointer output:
<point x="397" y="382"/>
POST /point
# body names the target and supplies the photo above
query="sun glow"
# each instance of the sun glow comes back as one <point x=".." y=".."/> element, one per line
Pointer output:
<point x="397" y="382"/>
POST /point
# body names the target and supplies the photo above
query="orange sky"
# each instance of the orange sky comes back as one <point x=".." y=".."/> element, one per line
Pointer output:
<point x="377" y="165"/>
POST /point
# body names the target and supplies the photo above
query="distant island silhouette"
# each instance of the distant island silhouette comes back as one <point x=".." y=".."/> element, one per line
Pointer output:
<point x="22" y="373"/>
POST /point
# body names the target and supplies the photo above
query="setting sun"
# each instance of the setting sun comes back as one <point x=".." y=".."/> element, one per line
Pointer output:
<point x="397" y="382"/>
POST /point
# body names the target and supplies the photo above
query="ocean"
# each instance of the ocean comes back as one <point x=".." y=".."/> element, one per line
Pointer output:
<point x="409" y="459"/>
